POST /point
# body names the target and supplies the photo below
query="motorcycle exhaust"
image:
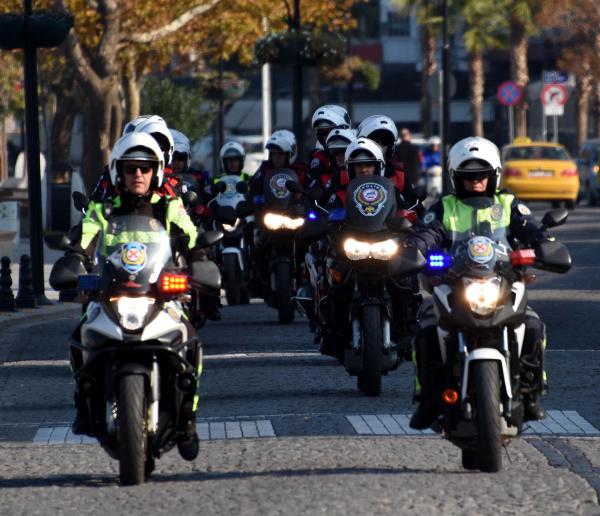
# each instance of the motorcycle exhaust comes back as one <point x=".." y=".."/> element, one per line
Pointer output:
<point x="387" y="341"/>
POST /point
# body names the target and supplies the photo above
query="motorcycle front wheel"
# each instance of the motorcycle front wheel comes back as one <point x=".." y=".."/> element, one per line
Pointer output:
<point x="132" y="429"/>
<point x="283" y="292"/>
<point x="369" y="380"/>
<point x="487" y="415"/>
<point x="233" y="279"/>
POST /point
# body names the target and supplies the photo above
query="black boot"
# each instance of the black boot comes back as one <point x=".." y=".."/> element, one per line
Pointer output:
<point x="81" y="423"/>
<point x="533" y="408"/>
<point x="210" y="307"/>
<point x="188" y="443"/>
<point x="425" y="415"/>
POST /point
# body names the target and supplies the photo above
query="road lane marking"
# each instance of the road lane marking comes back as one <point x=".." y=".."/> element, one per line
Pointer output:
<point x="557" y="422"/>
<point x="214" y="430"/>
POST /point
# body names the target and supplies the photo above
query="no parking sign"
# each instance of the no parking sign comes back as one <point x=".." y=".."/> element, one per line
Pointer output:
<point x="554" y="97"/>
<point x="509" y="93"/>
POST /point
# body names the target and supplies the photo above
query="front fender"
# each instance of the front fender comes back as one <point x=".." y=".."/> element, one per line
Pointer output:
<point x="486" y="354"/>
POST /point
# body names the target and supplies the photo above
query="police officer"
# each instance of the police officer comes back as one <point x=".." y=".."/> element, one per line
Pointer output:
<point x="136" y="168"/>
<point x="474" y="166"/>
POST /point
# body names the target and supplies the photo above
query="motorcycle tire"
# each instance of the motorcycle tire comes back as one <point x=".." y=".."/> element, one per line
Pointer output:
<point x="132" y="430"/>
<point x="283" y="292"/>
<point x="233" y="279"/>
<point x="487" y="415"/>
<point x="369" y="381"/>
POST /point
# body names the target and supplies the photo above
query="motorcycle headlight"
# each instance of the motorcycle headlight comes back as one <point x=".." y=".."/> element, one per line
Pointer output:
<point x="384" y="250"/>
<point x="229" y="227"/>
<point x="356" y="250"/>
<point x="132" y="311"/>
<point x="273" y="221"/>
<point x="482" y="295"/>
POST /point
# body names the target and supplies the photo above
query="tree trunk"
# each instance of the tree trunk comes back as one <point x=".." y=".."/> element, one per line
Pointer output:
<point x="596" y="109"/>
<point x="3" y="149"/>
<point x="68" y="105"/>
<point x="97" y="135"/>
<point x="519" y="72"/>
<point x="132" y="86"/>
<point x="583" y="90"/>
<point x="476" y="83"/>
<point x="428" y="69"/>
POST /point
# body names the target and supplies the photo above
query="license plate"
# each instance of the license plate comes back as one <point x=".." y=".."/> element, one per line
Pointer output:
<point x="541" y="173"/>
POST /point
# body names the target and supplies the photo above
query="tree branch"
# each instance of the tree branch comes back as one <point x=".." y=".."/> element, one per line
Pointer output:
<point x="172" y="27"/>
<point x="109" y="11"/>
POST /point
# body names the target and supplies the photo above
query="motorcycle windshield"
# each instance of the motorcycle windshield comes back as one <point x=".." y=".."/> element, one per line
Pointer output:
<point x="277" y="196"/>
<point x="478" y="256"/>
<point x="136" y="248"/>
<point x="371" y="202"/>
<point x="230" y="197"/>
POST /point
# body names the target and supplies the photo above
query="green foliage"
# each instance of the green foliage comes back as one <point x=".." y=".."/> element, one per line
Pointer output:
<point x="183" y="108"/>
<point x="369" y="73"/>
<point x="487" y="25"/>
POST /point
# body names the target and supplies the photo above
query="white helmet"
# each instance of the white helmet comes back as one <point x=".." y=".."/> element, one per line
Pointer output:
<point x="364" y="150"/>
<point x="291" y="138"/>
<point x="380" y="128"/>
<point x="138" y="147"/>
<point x="132" y="124"/>
<point x="156" y="126"/>
<point x="329" y="116"/>
<point x="232" y="150"/>
<point x="434" y="140"/>
<point x="281" y="143"/>
<point x="340" y="139"/>
<point x="181" y="144"/>
<point x="474" y="155"/>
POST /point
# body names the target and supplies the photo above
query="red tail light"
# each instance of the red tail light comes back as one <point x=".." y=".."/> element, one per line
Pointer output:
<point x="569" y="172"/>
<point x="522" y="257"/>
<point x="512" y="172"/>
<point x="408" y="214"/>
<point x="174" y="283"/>
<point x="203" y="211"/>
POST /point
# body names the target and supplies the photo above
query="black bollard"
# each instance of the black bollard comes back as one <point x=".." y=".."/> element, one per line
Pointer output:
<point x="7" y="298"/>
<point x="25" y="295"/>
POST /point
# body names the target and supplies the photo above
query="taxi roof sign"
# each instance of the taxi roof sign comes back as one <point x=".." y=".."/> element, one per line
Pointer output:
<point x="522" y="140"/>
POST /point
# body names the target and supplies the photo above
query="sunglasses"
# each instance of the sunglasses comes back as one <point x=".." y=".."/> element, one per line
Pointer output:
<point x="476" y="176"/>
<point x="132" y="169"/>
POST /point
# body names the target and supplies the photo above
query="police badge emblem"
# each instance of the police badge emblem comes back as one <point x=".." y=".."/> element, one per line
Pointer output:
<point x="277" y="185"/>
<point x="369" y="198"/>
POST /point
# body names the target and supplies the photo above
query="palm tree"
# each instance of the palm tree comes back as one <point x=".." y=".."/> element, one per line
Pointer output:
<point x="521" y="16"/>
<point x="429" y="20"/>
<point x="486" y="29"/>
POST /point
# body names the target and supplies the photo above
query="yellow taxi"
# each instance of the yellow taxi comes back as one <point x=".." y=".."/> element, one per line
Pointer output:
<point x="540" y="171"/>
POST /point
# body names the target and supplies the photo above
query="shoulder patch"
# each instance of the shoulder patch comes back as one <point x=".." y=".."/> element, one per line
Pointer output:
<point x="496" y="212"/>
<point x="429" y="217"/>
<point x="523" y="210"/>
<point x="315" y="163"/>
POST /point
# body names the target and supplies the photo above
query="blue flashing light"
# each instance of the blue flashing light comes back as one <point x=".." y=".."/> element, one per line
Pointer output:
<point x="312" y="215"/>
<point x="438" y="261"/>
<point x="89" y="282"/>
<point x="337" y="215"/>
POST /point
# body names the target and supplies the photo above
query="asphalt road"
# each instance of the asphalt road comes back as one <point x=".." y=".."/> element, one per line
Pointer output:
<point x="308" y="457"/>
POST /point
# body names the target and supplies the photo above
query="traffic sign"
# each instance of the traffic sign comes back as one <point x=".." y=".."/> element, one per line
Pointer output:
<point x="555" y="77"/>
<point x="554" y="95"/>
<point x="554" y="110"/>
<point x="509" y="93"/>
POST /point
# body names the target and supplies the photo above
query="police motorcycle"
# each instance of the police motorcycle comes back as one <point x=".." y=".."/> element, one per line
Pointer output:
<point x="138" y="362"/>
<point x="354" y="308"/>
<point x="232" y="252"/>
<point x="480" y="301"/>
<point x="278" y="217"/>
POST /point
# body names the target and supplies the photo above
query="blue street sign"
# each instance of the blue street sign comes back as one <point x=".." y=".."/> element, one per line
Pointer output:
<point x="509" y="93"/>
<point x="555" y="77"/>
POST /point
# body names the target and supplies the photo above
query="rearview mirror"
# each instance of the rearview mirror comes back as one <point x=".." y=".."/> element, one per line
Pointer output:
<point x="555" y="218"/>
<point x="399" y="224"/>
<point x="80" y="201"/>
<point x="553" y="257"/>
<point x="420" y="192"/>
<point x="57" y="242"/>
<point x="244" y="208"/>
<point x="190" y="198"/>
<point x="65" y="272"/>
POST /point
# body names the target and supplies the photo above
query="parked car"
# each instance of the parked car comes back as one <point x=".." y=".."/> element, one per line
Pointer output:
<point x="540" y="171"/>
<point x="588" y="163"/>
